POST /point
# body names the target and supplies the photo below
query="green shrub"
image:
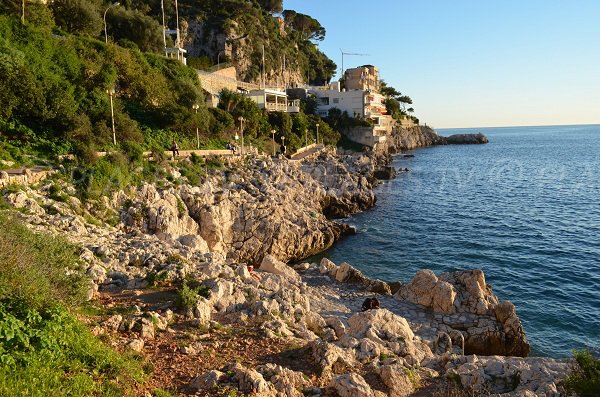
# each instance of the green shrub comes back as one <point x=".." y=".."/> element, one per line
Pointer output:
<point x="190" y="292"/>
<point x="48" y="352"/>
<point x="187" y="297"/>
<point x="133" y="151"/>
<point x="584" y="379"/>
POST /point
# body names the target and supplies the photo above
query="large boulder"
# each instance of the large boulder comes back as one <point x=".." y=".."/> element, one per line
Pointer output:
<point x="427" y="290"/>
<point x="271" y="265"/>
<point x="511" y="375"/>
<point x="381" y="323"/>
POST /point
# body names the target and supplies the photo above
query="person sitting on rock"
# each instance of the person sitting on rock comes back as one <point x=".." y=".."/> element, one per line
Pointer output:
<point x="370" y="303"/>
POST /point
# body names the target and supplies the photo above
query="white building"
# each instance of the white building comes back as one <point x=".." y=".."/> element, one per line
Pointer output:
<point x="359" y="104"/>
<point x="274" y="101"/>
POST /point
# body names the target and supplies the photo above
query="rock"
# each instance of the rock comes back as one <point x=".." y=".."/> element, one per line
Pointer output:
<point x="194" y="241"/>
<point x="284" y="380"/>
<point x="514" y="375"/>
<point x="469" y="139"/>
<point x="137" y="345"/>
<point x="250" y="380"/>
<point x="207" y="381"/>
<point x="302" y="266"/>
<point x="271" y="265"/>
<point x="397" y="380"/>
<point x="351" y="385"/>
<point x="425" y="289"/>
<point x="348" y="274"/>
<point x="113" y="322"/>
<point x="21" y="200"/>
<point x="379" y="287"/>
<point x="379" y="322"/>
<point x="330" y="358"/>
<point x="385" y="173"/>
<point x="327" y="267"/>
<point x="337" y="325"/>
<point x="202" y="312"/>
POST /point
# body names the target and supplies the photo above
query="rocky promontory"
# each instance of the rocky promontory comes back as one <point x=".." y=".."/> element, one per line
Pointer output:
<point x="198" y="274"/>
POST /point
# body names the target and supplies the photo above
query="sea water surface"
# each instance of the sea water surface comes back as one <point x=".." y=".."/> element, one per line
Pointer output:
<point x="525" y="208"/>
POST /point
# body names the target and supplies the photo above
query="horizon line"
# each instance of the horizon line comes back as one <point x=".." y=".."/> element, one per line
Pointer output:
<point x="513" y="126"/>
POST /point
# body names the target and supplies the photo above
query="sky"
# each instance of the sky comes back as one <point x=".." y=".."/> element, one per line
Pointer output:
<point x="474" y="63"/>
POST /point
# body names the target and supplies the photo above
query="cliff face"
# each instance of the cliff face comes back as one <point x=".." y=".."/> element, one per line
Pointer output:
<point x="218" y="31"/>
<point x="267" y="207"/>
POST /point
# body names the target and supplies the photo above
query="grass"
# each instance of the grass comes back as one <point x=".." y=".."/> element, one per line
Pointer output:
<point x="44" y="349"/>
<point x="584" y="379"/>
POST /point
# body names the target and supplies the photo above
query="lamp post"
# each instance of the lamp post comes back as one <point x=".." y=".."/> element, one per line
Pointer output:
<point x="273" y="134"/>
<point x="219" y="59"/>
<point x="196" y="107"/>
<point x="241" y="120"/>
<point x="108" y="8"/>
<point x="317" y="133"/>
<point x="111" y="92"/>
<point x="283" y="145"/>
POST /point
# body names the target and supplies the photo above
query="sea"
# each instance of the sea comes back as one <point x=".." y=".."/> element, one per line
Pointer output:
<point x="524" y="208"/>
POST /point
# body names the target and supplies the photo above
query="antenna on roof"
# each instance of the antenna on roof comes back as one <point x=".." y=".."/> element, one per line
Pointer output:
<point x="350" y="53"/>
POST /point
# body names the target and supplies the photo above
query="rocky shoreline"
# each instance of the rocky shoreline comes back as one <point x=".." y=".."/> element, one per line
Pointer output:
<point x="287" y="331"/>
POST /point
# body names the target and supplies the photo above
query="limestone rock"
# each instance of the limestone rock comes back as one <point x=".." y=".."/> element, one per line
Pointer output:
<point x="137" y="345"/>
<point x="286" y="381"/>
<point x="380" y="322"/>
<point x="272" y="265"/>
<point x="351" y="385"/>
<point x="516" y="376"/>
<point x="327" y="267"/>
<point x="250" y="380"/>
<point x="330" y="358"/>
<point x="207" y="381"/>
<point x="395" y="377"/>
<point x="425" y="289"/>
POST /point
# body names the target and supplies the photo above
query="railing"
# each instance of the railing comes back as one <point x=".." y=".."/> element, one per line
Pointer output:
<point x="280" y="107"/>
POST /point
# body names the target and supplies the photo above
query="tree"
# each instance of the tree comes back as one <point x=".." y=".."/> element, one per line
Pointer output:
<point x="133" y="25"/>
<point x="77" y="16"/>
<point x="308" y="27"/>
<point x="271" y="5"/>
<point x="388" y="91"/>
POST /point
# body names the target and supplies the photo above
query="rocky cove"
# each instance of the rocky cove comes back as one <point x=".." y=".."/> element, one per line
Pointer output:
<point x="286" y="331"/>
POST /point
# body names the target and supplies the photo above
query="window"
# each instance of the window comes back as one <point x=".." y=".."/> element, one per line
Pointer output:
<point x="336" y="100"/>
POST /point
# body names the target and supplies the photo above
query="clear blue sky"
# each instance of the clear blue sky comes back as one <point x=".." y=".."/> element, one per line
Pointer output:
<point x="474" y="63"/>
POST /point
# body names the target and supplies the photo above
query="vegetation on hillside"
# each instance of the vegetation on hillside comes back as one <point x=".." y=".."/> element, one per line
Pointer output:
<point x="44" y="349"/>
<point x="58" y="75"/>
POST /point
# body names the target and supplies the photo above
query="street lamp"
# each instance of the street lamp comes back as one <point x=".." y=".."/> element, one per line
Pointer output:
<point x="283" y="145"/>
<point x="108" y="8"/>
<point x="273" y="134"/>
<point x="196" y="107"/>
<point x="317" y="133"/>
<point x="111" y="92"/>
<point x="219" y="59"/>
<point x="241" y="120"/>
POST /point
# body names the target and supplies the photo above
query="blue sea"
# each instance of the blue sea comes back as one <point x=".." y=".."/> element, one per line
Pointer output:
<point x="525" y="208"/>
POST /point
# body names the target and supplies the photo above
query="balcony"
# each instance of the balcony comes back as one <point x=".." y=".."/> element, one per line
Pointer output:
<point x="276" y="107"/>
